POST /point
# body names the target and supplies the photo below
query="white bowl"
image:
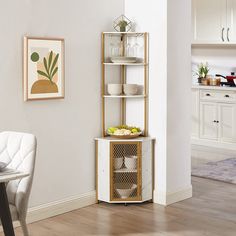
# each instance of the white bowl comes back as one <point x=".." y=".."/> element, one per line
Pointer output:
<point x="130" y="89"/>
<point x="125" y="189"/>
<point x="131" y="162"/>
<point x="118" y="162"/>
<point x="114" y="89"/>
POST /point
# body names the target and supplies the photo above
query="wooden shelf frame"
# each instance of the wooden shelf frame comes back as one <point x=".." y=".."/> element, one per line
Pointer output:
<point x="144" y="64"/>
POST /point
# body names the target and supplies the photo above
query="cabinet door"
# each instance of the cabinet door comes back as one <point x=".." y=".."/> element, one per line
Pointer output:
<point x="125" y="171"/>
<point x="227" y="122"/>
<point x="208" y="20"/>
<point x="208" y="118"/>
<point x="195" y="113"/>
<point x="231" y="20"/>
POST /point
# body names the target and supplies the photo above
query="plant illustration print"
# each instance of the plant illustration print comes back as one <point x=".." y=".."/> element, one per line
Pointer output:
<point x="47" y="70"/>
<point x="50" y="67"/>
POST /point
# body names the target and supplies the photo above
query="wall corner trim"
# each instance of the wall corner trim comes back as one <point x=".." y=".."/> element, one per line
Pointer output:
<point x="165" y="198"/>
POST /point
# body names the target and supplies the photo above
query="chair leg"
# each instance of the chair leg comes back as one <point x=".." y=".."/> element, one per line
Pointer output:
<point x="24" y="227"/>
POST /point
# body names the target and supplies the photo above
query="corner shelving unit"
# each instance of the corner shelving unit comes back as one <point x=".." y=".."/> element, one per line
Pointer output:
<point x="124" y="36"/>
<point x="124" y="167"/>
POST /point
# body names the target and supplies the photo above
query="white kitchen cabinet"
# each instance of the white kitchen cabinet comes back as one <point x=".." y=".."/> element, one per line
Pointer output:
<point x="227" y="122"/>
<point x="195" y="112"/>
<point x="213" y="21"/>
<point x="208" y="20"/>
<point x="231" y="20"/>
<point x="208" y="121"/>
<point x="124" y="170"/>
<point x="214" y="116"/>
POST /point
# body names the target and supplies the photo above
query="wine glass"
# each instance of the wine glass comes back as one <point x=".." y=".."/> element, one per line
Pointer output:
<point x="136" y="47"/>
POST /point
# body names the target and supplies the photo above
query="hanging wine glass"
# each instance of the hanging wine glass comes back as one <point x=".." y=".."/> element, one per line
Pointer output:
<point x="136" y="47"/>
<point x="111" y="47"/>
<point x="129" y="48"/>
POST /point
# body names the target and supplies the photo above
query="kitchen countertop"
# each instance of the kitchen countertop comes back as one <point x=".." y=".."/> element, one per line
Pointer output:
<point x="196" y="86"/>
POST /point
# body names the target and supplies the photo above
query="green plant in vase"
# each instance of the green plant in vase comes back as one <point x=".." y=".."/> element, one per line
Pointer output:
<point x="122" y="24"/>
<point x="202" y="71"/>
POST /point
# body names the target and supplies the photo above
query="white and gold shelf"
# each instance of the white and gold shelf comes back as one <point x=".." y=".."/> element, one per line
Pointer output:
<point x="124" y="96"/>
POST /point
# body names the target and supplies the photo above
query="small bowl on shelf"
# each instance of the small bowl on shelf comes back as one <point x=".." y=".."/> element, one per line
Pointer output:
<point x="114" y="89"/>
<point x="118" y="162"/>
<point x="125" y="190"/>
<point x="131" y="162"/>
<point x="130" y="89"/>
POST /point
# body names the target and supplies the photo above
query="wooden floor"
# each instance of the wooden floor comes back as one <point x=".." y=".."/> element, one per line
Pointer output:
<point x="211" y="211"/>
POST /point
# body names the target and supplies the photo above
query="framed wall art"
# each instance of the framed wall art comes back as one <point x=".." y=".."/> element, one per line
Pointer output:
<point x="43" y="68"/>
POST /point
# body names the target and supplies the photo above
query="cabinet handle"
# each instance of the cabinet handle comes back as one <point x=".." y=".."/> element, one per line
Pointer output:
<point x="228" y="34"/>
<point x="208" y="94"/>
<point x="222" y="34"/>
<point x="227" y="96"/>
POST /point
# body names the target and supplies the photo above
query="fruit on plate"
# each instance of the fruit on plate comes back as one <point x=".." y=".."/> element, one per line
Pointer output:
<point x="124" y="130"/>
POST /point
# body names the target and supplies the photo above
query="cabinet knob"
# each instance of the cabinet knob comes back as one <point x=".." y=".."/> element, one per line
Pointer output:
<point x="227" y="96"/>
<point x="208" y="94"/>
<point x="217" y="122"/>
<point x="214" y="121"/>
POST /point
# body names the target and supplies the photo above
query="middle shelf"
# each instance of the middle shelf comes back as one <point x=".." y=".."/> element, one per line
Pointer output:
<point x="124" y="96"/>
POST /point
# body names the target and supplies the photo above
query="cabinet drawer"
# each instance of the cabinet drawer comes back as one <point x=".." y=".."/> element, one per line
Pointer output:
<point x="224" y="96"/>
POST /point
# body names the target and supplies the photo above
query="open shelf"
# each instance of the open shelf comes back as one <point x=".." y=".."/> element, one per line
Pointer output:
<point x="124" y="96"/>
<point x="125" y="170"/>
<point x="124" y="64"/>
<point x="125" y="33"/>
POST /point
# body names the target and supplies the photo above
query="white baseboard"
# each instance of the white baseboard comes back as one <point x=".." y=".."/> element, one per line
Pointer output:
<point x="166" y="199"/>
<point x="59" y="207"/>
<point x="214" y="144"/>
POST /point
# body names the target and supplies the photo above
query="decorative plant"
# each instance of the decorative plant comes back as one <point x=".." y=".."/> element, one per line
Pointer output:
<point x="50" y="67"/>
<point x="122" y="24"/>
<point x="202" y="70"/>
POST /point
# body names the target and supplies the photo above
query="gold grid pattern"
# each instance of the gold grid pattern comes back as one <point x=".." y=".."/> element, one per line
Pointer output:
<point x="125" y="171"/>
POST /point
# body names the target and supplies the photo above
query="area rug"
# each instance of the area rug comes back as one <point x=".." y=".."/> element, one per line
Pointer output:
<point x="221" y="170"/>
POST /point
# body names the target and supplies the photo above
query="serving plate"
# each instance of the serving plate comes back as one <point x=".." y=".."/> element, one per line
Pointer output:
<point x="130" y="136"/>
<point x="124" y="59"/>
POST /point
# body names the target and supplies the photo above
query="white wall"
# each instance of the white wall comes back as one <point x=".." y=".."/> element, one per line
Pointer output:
<point x="169" y="25"/>
<point x="65" y="128"/>
<point x="221" y="60"/>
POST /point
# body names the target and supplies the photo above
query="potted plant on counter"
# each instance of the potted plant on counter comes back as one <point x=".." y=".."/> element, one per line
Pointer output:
<point x="202" y="71"/>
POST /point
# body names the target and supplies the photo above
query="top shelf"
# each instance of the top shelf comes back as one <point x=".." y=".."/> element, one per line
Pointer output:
<point x="125" y="33"/>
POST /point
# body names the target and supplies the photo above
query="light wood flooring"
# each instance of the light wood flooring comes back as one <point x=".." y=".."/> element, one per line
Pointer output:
<point x="211" y="212"/>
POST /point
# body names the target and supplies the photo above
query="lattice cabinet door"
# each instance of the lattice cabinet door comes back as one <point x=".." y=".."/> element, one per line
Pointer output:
<point x="125" y="171"/>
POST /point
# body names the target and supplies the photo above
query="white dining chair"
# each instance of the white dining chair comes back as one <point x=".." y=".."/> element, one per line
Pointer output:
<point x="19" y="151"/>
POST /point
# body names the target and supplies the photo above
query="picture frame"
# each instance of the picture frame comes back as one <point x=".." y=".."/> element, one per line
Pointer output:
<point x="44" y="68"/>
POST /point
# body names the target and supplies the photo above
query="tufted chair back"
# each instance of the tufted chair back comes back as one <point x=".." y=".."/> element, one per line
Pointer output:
<point x="19" y="151"/>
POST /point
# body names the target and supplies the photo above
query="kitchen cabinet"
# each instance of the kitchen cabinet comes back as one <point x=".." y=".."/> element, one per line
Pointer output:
<point x="231" y="20"/>
<point x="208" y="119"/>
<point x="124" y="170"/>
<point x="213" y="21"/>
<point x="124" y="167"/>
<point x="227" y="119"/>
<point x="214" y="116"/>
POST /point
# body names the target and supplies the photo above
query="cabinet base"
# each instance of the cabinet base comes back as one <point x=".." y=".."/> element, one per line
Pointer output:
<point x="125" y="202"/>
<point x="215" y="144"/>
